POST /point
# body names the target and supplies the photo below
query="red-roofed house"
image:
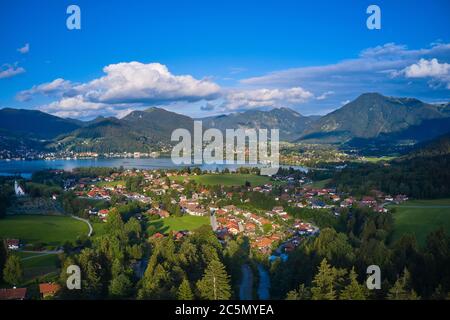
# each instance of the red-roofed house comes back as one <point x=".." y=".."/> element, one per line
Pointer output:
<point x="103" y="214"/>
<point x="13" y="294"/>
<point x="48" y="289"/>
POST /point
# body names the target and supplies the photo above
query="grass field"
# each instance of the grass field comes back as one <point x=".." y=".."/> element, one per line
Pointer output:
<point x="420" y="217"/>
<point x="179" y="223"/>
<point x="99" y="228"/>
<point x="320" y="184"/>
<point x="229" y="179"/>
<point x="37" y="264"/>
<point x="40" y="261"/>
<point x="378" y="159"/>
<point x="51" y="230"/>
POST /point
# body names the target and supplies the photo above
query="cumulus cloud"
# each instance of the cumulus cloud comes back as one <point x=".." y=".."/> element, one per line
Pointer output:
<point x="24" y="49"/>
<point x="257" y="98"/>
<point x="77" y="107"/>
<point x="135" y="82"/>
<point x="56" y="87"/>
<point x="9" y="71"/>
<point x="125" y="85"/>
<point x="438" y="73"/>
<point x="427" y="68"/>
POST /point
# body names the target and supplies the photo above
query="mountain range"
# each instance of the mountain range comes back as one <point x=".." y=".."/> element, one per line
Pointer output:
<point x="371" y="119"/>
<point x="290" y="123"/>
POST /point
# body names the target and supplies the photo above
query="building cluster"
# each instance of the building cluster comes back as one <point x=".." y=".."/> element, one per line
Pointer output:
<point x="270" y="231"/>
<point x="46" y="291"/>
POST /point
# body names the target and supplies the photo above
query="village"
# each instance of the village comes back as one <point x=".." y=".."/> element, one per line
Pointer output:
<point x="164" y="195"/>
<point x="272" y="232"/>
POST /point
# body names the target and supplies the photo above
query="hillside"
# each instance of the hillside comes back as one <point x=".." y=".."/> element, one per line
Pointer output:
<point x="107" y="135"/>
<point x="151" y="128"/>
<point x="436" y="147"/>
<point x="34" y="123"/>
<point x="290" y="122"/>
<point x="156" y="123"/>
<point x="142" y="131"/>
<point x="372" y="115"/>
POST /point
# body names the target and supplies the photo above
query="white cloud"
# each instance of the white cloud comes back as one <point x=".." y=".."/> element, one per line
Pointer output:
<point x="8" y="71"/>
<point x="126" y="85"/>
<point x="24" y="49"/>
<point x="325" y="95"/>
<point x="135" y="82"/>
<point x="257" y="98"/>
<point x="427" y="68"/>
<point x="56" y="87"/>
<point x="77" y="107"/>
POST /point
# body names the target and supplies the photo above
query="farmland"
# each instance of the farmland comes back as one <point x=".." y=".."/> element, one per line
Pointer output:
<point x="48" y="230"/>
<point x="230" y="179"/>
<point x="179" y="223"/>
<point x="419" y="217"/>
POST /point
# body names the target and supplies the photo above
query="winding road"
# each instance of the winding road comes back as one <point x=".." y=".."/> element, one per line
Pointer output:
<point x="86" y="221"/>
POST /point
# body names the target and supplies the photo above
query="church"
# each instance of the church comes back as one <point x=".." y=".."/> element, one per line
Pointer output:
<point x="18" y="189"/>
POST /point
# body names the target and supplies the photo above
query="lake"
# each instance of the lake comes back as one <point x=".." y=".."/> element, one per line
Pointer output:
<point x="27" y="167"/>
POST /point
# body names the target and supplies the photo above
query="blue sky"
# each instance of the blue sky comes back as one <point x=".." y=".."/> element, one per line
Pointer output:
<point x="208" y="57"/>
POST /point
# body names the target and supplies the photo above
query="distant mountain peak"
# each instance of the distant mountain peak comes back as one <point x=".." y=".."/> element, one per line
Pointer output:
<point x="370" y="115"/>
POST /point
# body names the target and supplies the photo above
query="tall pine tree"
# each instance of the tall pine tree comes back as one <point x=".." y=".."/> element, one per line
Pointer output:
<point x="353" y="290"/>
<point x="402" y="288"/>
<point x="185" y="291"/>
<point x="215" y="284"/>
<point x="325" y="282"/>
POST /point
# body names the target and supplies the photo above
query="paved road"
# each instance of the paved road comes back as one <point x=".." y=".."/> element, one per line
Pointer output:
<point x="86" y="221"/>
<point x="246" y="288"/>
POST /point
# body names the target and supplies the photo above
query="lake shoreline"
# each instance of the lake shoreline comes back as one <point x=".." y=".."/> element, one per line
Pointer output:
<point x="26" y="168"/>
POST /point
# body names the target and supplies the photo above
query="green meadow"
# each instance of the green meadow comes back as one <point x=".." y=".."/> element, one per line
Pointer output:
<point x="49" y="230"/>
<point x="186" y="222"/>
<point x="420" y="217"/>
<point x="230" y="179"/>
<point x="320" y="184"/>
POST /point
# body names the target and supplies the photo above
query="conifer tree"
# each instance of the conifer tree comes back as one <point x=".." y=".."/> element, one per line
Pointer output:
<point x="215" y="284"/>
<point x="185" y="291"/>
<point x="402" y="288"/>
<point x="302" y="293"/>
<point x="353" y="290"/>
<point x="12" y="272"/>
<point x="325" y="282"/>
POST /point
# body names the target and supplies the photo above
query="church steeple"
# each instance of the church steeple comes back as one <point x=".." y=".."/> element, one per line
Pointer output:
<point x="18" y="189"/>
